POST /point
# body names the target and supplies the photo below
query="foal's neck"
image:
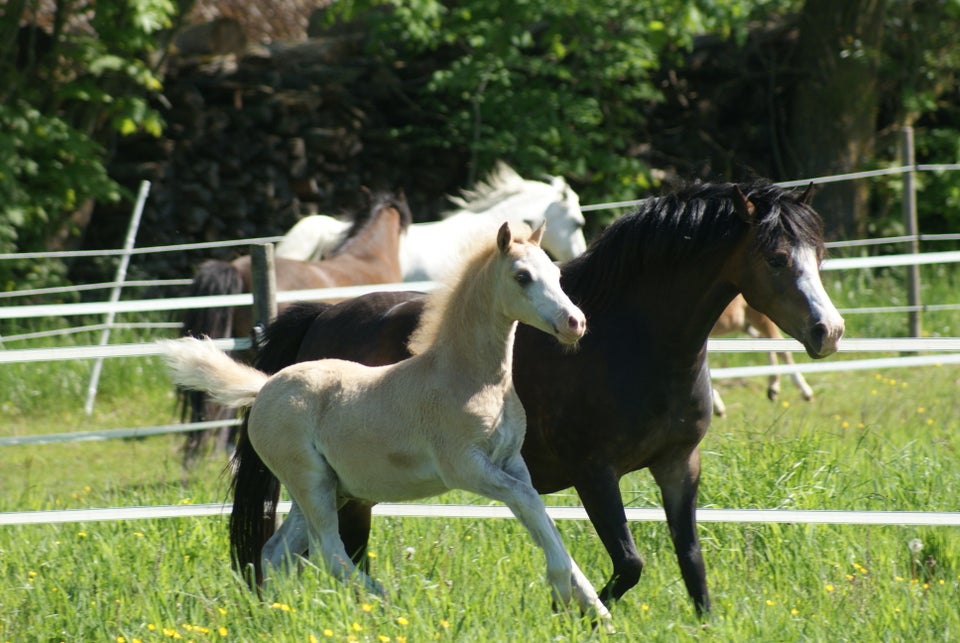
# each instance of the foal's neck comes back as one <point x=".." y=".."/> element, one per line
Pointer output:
<point x="477" y="337"/>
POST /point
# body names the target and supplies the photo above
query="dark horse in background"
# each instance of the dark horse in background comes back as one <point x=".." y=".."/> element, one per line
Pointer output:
<point x="636" y="394"/>
<point x="369" y="254"/>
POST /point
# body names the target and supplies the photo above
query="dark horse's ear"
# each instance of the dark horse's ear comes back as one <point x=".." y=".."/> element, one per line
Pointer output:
<point x="742" y="204"/>
<point x="807" y="195"/>
<point x="504" y="237"/>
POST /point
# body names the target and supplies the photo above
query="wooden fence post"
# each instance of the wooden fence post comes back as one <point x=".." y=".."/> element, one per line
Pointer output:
<point x="912" y="229"/>
<point x="264" y="280"/>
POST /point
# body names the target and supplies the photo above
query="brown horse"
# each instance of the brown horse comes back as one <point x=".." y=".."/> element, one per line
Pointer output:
<point x="369" y="254"/>
<point x="740" y="317"/>
<point x="635" y="395"/>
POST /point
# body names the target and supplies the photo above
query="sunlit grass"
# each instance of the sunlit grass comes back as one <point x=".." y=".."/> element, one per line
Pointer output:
<point x="869" y="441"/>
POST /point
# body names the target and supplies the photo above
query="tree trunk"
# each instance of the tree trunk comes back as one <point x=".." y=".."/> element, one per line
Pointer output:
<point x="834" y="108"/>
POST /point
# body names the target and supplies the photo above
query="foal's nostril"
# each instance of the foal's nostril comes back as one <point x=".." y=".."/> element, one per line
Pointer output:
<point x="576" y="323"/>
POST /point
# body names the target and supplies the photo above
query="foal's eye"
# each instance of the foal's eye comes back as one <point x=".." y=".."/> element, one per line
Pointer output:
<point x="523" y="278"/>
<point x="779" y="260"/>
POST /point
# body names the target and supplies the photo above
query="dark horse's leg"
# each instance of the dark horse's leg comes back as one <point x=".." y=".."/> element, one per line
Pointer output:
<point x="355" y="531"/>
<point x="600" y="494"/>
<point x="679" y="481"/>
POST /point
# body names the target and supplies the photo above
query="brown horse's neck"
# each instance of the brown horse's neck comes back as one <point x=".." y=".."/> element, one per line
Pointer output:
<point x="380" y="237"/>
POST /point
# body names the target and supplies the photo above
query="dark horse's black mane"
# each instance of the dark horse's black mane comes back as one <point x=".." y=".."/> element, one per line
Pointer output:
<point x="378" y="201"/>
<point x="672" y="230"/>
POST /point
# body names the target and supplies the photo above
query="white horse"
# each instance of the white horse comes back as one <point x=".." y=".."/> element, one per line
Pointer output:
<point x="430" y="250"/>
<point x="446" y="418"/>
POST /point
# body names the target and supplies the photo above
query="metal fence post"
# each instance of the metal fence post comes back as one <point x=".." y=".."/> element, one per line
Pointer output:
<point x="912" y="230"/>
<point x="115" y="293"/>
<point x="264" y="278"/>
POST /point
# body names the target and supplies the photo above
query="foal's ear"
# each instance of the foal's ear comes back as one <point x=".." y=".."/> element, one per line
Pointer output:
<point x="742" y="204"/>
<point x="504" y="237"/>
<point x="807" y="195"/>
<point x="537" y="234"/>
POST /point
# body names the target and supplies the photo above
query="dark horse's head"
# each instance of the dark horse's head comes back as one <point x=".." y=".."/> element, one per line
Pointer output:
<point x="722" y="238"/>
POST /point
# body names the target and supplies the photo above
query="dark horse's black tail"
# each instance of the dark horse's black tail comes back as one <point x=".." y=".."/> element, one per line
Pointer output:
<point x="213" y="278"/>
<point x="256" y="490"/>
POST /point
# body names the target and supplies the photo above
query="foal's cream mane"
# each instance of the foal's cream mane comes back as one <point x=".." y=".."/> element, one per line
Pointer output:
<point x="458" y="284"/>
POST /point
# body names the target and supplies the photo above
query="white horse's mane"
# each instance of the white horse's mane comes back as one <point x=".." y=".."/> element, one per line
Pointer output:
<point x="502" y="183"/>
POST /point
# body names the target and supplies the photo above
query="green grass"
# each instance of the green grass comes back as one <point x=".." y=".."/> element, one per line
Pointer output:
<point x="869" y="441"/>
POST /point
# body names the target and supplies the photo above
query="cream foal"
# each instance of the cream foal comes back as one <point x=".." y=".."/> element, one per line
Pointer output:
<point x="447" y="418"/>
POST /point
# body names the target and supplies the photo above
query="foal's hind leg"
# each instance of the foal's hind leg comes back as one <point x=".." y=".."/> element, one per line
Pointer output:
<point x="291" y="539"/>
<point x="314" y="490"/>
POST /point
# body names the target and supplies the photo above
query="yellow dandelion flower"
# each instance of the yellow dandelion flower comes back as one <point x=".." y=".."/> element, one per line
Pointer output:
<point x="926" y="586"/>
<point x="845" y="424"/>
<point x="401" y="639"/>
<point x="136" y="640"/>
<point x="794" y="611"/>
<point x="645" y="607"/>
<point x="941" y="582"/>
<point x="138" y="534"/>
<point x="873" y="391"/>
<point x="81" y="534"/>
<point x="921" y="409"/>
<point x="785" y="404"/>
<point x="444" y="623"/>
<point x="829" y="587"/>
<point x="770" y="603"/>
<point x="402" y="621"/>
<point x="313" y="639"/>
<point x="186" y="501"/>
<point x="383" y="639"/>
<point x="366" y="607"/>
<point x="899" y="579"/>
<point x="356" y="627"/>
<point x="328" y="633"/>
<point x="151" y="627"/>
<point x="222" y="611"/>
<point x="222" y="631"/>
<point x="371" y="554"/>
<point x="850" y="577"/>
<point x="121" y="639"/>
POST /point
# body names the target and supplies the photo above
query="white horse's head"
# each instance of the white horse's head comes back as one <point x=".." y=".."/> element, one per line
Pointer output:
<point x="531" y="290"/>
<point x="506" y="195"/>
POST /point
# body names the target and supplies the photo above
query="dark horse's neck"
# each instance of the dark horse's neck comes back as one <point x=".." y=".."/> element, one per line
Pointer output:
<point x="659" y="274"/>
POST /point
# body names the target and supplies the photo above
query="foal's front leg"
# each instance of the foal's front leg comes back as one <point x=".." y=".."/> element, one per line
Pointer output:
<point x="512" y="486"/>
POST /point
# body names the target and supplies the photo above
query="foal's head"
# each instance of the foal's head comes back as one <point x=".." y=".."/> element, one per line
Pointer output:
<point x="528" y="286"/>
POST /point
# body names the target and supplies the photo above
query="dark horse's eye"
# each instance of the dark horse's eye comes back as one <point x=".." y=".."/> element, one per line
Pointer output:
<point x="523" y="278"/>
<point x="779" y="260"/>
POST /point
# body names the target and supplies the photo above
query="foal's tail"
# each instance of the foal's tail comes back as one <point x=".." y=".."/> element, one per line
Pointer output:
<point x="198" y="364"/>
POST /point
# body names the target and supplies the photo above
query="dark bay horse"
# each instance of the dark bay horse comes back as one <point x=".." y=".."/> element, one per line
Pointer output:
<point x="369" y="254"/>
<point x="636" y="394"/>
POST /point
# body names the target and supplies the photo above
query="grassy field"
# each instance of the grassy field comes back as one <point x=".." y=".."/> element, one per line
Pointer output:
<point x="870" y="441"/>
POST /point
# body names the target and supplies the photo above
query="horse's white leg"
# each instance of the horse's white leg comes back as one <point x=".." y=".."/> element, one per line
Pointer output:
<point x="583" y="590"/>
<point x="798" y="379"/>
<point x="314" y="491"/>
<point x="478" y="474"/>
<point x="291" y="539"/>
<point x="719" y="408"/>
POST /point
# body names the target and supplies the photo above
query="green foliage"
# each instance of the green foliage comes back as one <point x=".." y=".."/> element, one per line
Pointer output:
<point x="63" y="97"/>
<point x="550" y="86"/>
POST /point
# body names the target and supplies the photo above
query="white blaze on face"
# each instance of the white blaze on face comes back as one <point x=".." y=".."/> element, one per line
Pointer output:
<point x="821" y="307"/>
